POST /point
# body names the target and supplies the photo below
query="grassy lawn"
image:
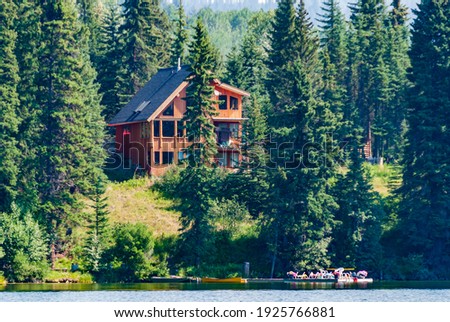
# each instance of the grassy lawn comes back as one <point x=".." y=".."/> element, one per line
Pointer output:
<point x="133" y="201"/>
<point x="384" y="178"/>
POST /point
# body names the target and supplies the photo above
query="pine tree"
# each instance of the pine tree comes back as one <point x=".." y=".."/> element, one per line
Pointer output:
<point x="367" y="46"/>
<point x="90" y="14"/>
<point x="181" y="37"/>
<point x="200" y="105"/>
<point x="9" y="106"/>
<point x="299" y="226"/>
<point x="111" y="74"/>
<point x="357" y="234"/>
<point x="425" y="205"/>
<point x="334" y="57"/>
<point x="281" y="53"/>
<point x="72" y="153"/>
<point x="397" y="63"/>
<point x="146" y="41"/>
<point x="97" y="224"/>
<point x="28" y="27"/>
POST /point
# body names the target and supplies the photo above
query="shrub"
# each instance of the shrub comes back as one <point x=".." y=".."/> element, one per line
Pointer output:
<point x="24" y="247"/>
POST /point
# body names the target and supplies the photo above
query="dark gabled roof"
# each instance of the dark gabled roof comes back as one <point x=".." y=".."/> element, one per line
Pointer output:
<point x="152" y="95"/>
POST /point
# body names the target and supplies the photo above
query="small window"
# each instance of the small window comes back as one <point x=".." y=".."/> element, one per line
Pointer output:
<point x="234" y="103"/>
<point x="222" y="102"/>
<point x="234" y="128"/>
<point x="167" y="157"/>
<point x="169" y="110"/>
<point x="180" y="129"/>
<point x="182" y="155"/>
<point x="145" y="130"/>
<point x="168" y="128"/>
<point x="221" y="159"/>
<point x="156" y="159"/>
<point x="156" y="129"/>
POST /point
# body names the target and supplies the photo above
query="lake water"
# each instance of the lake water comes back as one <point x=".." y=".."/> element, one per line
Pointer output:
<point x="435" y="291"/>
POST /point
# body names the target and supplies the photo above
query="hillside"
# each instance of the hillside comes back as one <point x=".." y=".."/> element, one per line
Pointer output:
<point x="133" y="201"/>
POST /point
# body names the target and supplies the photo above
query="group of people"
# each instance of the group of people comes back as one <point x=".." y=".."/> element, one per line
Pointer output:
<point x="324" y="274"/>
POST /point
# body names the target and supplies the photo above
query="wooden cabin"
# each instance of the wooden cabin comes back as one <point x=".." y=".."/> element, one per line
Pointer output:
<point x="149" y="130"/>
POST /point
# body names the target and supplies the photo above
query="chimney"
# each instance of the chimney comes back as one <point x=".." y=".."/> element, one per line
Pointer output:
<point x="179" y="64"/>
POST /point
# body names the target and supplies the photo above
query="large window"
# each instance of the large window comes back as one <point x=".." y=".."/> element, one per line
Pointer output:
<point x="234" y="129"/>
<point x="156" y="159"/>
<point x="222" y="102"/>
<point x="168" y="128"/>
<point x="167" y="157"/>
<point x="180" y="131"/>
<point x="234" y="103"/>
<point x="169" y="110"/>
<point x="156" y="129"/>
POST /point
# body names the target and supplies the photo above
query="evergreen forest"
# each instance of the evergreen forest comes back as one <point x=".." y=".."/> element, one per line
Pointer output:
<point x="335" y="101"/>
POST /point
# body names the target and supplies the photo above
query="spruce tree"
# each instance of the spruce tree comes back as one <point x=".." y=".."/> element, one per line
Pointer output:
<point x="181" y="37"/>
<point x="356" y="237"/>
<point x="90" y="14"/>
<point x="9" y="106"/>
<point x="398" y="63"/>
<point x="97" y="224"/>
<point x="298" y="227"/>
<point x="72" y="152"/>
<point x="146" y="33"/>
<point x="425" y="205"/>
<point x="367" y="48"/>
<point x="28" y="27"/>
<point x="111" y="74"/>
<point x="200" y="106"/>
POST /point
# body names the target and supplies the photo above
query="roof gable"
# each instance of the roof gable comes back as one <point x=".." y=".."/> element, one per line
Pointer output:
<point x="149" y="98"/>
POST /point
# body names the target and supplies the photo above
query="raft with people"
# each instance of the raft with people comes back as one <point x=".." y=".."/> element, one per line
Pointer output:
<point x="338" y="275"/>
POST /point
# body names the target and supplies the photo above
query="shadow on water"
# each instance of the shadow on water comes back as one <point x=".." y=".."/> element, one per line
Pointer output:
<point x="212" y="287"/>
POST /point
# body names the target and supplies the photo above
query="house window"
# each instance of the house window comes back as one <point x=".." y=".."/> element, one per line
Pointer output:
<point x="234" y="103"/>
<point x="234" y="128"/>
<point x="234" y="159"/>
<point x="182" y="155"/>
<point x="167" y="157"/>
<point x="156" y="129"/>
<point x="169" y="110"/>
<point x="145" y="130"/>
<point x="222" y="102"/>
<point x="221" y="159"/>
<point x="156" y="159"/>
<point x="180" y="131"/>
<point x="168" y="128"/>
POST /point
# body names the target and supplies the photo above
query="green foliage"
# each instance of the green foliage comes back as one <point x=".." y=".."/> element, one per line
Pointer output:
<point x="9" y="105"/>
<point x="72" y="145"/>
<point x="97" y="224"/>
<point x="111" y="73"/>
<point x="131" y="253"/>
<point x="356" y="238"/>
<point x="424" y="209"/>
<point x="199" y="105"/>
<point x="24" y="247"/>
<point x="28" y="27"/>
<point x="181" y="37"/>
<point x="146" y="35"/>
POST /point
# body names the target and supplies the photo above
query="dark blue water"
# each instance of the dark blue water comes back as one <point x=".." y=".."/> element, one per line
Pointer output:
<point x="436" y="291"/>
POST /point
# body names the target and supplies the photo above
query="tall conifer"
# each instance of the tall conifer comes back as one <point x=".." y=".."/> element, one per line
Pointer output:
<point x="179" y="50"/>
<point x="200" y="107"/>
<point x="146" y="41"/>
<point x="9" y="106"/>
<point x="111" y="73"/>
<point x="72" y="141"/>
<point x="28" y="27"/>
<point x="425" y="206"/>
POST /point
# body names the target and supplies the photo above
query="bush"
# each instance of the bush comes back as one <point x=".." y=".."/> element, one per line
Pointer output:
<point x="24" y="247"/>
<point x="131" y="259"/>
